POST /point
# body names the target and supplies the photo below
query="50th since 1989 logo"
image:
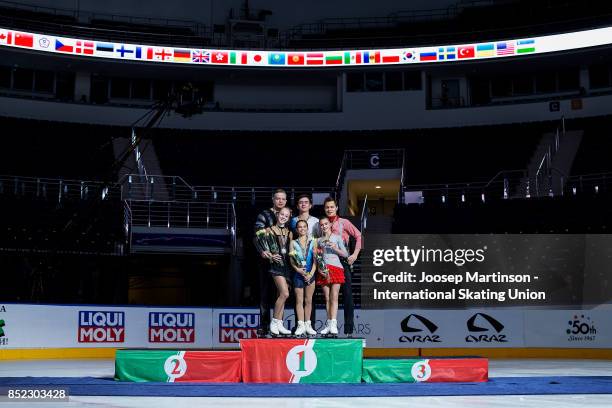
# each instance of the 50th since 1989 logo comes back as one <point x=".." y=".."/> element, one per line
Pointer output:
<point x="581" y="328"/>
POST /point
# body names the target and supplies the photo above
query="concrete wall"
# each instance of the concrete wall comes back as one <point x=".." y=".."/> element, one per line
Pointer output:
<point x="284" y="13"/>
<point x="305" y="95"/>
<point x="362" y="111"/>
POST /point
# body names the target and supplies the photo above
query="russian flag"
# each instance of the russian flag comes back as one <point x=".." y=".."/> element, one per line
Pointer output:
<point x="428" y="56"/>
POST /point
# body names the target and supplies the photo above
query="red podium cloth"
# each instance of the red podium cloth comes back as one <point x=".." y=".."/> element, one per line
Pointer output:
<point x="459" y="370"/>
<point x="263" y="360"/>
<point x="212" y="366"/>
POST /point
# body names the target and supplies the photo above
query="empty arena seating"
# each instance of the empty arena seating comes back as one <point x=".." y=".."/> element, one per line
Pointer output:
<point x="84" y="152"/>
<point x="584" y="213"/>
<point x="465" y="21"/>
<point x="458" y="22"/>
<point x="593" y="154"/>
<point x="205" y="158"/>
<point x="112" y="27"/>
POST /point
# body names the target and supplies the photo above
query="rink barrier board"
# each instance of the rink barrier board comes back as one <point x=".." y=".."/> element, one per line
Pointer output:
<point x="557" y="353"/>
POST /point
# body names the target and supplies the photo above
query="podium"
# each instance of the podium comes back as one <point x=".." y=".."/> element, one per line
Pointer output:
<point x="301" y="360"/>
<point x="177" y="366"/>
<point x="468" y="369"/>
<point x="332" y="361"/>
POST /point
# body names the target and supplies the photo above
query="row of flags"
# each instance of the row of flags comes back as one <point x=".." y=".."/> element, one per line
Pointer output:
<point x="479" y="50"/>
<point x="265" y="58"/>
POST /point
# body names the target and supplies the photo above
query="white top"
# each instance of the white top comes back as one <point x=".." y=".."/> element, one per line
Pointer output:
<point x="313" y="226"/>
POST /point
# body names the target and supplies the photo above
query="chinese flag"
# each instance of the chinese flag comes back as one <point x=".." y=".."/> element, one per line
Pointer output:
<point x="24" y="40"/>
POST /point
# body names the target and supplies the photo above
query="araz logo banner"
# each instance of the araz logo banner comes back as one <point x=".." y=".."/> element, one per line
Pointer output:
<point x="485" y="328"/>
<point x="418" y="329"/>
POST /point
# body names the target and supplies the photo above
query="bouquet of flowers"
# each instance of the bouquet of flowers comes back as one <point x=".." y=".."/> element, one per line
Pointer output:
<point x="319" y="249"/>
<point x="298" y="259"/>
<point x="267" y="241"/>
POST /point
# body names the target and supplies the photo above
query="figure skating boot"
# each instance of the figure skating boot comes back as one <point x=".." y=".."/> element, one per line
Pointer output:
<point x="281" y="328"/>
<point x="309" y="330"/>
<point x="325" y="330"/>
<point x="274" y="328"/>
<point x="300" y="330"/>
<point x="333" y="328"/>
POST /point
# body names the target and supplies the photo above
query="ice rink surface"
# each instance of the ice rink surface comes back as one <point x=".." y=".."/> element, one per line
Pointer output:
<point x="497" y="368"/>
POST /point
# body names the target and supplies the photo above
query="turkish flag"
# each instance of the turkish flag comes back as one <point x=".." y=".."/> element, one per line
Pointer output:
<point x="466" y="52"/>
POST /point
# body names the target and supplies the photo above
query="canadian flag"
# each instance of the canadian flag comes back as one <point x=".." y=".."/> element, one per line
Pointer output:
<point x="6" y="37"/>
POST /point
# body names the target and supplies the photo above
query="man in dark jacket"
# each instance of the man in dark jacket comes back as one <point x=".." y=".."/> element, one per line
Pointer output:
<point x="266" y="219"/>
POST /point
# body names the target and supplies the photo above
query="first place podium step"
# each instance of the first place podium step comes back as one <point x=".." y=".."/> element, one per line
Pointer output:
<point x="301" y="360"/>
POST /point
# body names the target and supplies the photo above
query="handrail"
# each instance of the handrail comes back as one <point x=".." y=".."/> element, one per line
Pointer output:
<point x="84" y="189"/>
<point x="127" y="219"/>
<point x="364" y="215"/>
<point x="563" y="179"/>
<point x="400" y="199"/>
<point x="545" y="168"/>
<point x="373" y="150"/>
<point x="233" y="231"/>
<point x="545" y="158"/>
<point x="503" y="172"/>
<point x="340" y="173"/>
<point x="125" y="176"/>
<point x="182" y="214"/>
<point x="139" y="189"/>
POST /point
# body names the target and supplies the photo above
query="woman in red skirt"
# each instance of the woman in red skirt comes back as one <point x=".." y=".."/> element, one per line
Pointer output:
<point x="331" y="273"/>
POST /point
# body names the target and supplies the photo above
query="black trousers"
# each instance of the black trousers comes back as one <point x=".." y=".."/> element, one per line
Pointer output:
<point x="313" y="310"/>
<point x="266" y="287"/>
<point x="347" y="295"/>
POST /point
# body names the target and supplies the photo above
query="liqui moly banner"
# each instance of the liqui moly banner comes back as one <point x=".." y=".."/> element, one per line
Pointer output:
<point x="25" y="326"/>
<point x="54" y="326"/>
<point x="101" y="326"/>
<point x="232" y="325"/>
<point x="172" y="327"/>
